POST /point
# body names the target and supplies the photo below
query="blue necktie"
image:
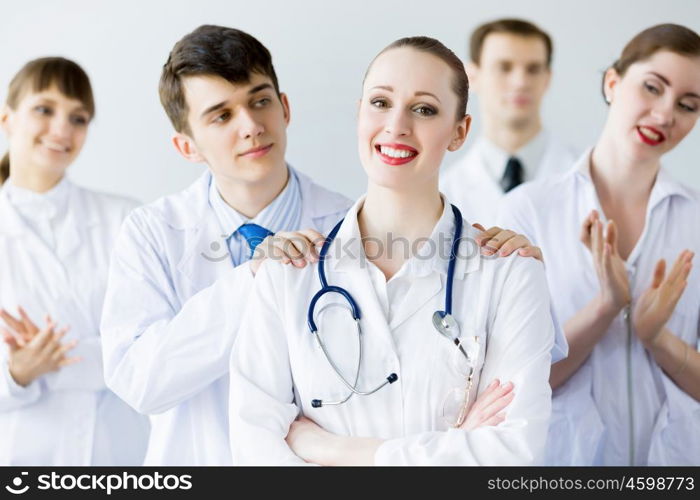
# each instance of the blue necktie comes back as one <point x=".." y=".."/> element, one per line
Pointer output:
<point x="254" y="235"/>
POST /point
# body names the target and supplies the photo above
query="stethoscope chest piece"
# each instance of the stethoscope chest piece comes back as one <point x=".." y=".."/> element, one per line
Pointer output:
<point x="446" y="325"/>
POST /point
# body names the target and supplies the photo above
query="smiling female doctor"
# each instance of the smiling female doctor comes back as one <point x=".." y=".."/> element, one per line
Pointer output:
<point x="421" y="382"/>
<point x="55" y="239"/>
<point x="628" y="392"/>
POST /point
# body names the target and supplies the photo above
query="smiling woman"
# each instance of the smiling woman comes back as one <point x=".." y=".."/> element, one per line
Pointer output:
<point x="628" y="392"/>
<point x="44" y="81"/>
<point x="364" y="364"/>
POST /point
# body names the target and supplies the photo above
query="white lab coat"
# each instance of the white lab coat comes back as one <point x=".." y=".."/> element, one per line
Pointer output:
<point x="472" y="187"/>
<point x="66" y="417"/>
<point x="277" y="368"/>
<point x="619" y="408"/>
<point x="173" y="307"/>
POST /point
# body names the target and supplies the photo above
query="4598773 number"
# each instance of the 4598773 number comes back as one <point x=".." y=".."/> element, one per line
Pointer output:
<point x="660" y="483"/>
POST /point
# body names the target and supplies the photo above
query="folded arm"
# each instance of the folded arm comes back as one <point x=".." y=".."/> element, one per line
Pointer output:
<point x="519" y="348"/>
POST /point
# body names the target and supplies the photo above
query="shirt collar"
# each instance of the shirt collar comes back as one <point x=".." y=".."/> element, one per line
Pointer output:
<point x="530" y="156"/>
<point x="269" y="217"/>
<point x="664" y="185"/>
<point x="276" y="216"/>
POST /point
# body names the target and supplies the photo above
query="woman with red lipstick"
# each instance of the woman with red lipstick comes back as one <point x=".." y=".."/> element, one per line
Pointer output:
<point x="55" y="240"/>
<point x="442" y="402"/>
<point x="629" y="392"/>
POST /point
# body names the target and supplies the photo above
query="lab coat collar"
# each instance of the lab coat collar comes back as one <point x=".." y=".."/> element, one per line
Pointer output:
<point x="481" y="155"/>
<point x="187" y="209"/>
<point x="10" y="222"/>
<point x="191" y="213"/>
<point x="665" y="185"/>
<point x="318" y="202"/>
<point x="347" y="252"/>
<point x="190" y="208"/>
<point x="45" y="205"/>
<point x="79" y="220"/>
<point x="470" y="172"/>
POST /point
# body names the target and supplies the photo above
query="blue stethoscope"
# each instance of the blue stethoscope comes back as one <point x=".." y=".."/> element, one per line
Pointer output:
<point x="443" y="321"/>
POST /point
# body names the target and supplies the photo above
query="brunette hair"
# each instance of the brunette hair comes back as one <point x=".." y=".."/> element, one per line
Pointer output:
<point x="672" y="37"/>
<point x="518" y="27"/>
<point x="210" y="50"/>
<point x="40" y="74"/>
<point x="460" y="82"/>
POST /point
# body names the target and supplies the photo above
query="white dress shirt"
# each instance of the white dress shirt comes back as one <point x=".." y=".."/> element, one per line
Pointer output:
<point x="530" y="157"/>
<point x="472" y="182"/>
<point x="282" y="214"/>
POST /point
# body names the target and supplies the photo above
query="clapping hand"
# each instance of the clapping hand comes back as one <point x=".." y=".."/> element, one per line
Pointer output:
<point x="33" y="351"/>
<point x="655" y="306"/>
<point x="609" y="266"/>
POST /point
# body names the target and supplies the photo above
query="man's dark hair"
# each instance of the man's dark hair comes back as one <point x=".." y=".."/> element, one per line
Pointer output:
<point x="210" y="50"/>
<point x="518" y="27"/>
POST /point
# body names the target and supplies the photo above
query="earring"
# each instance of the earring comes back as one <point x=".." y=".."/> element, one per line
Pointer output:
<point x="607" y="99"/>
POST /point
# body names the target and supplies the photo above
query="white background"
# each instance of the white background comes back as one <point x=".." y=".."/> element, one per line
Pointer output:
<point x="320" y="50"/>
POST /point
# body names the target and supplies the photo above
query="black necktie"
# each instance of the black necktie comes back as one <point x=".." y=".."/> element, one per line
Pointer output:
<point x="513" y="176"/>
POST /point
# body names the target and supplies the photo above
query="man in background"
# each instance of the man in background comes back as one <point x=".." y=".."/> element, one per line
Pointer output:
<point x="510" y="71"/>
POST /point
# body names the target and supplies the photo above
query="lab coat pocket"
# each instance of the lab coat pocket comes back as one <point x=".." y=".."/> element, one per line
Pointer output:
<point x="575" y="428"/>
<point x="458" y="368"/>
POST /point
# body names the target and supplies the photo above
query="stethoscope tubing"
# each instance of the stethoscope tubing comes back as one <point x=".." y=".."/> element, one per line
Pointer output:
<point x="356" y="314"/>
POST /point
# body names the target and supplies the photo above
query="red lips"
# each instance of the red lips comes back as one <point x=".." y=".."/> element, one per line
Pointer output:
<point x="648" y="140"/>
<point x="391" y="160"/>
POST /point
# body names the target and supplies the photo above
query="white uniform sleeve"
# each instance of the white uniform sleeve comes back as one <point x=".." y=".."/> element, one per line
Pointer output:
<point x="261" y="403"/>
<point x="156" y="354"/>
<point x="12" y="395"/>
<point x="517" y="214"/>
<point x="518" y="350"/>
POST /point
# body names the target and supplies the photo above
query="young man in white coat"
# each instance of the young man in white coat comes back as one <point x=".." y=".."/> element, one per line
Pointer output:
<point x="510" y="71"/>
<point x="181" y="273"/>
